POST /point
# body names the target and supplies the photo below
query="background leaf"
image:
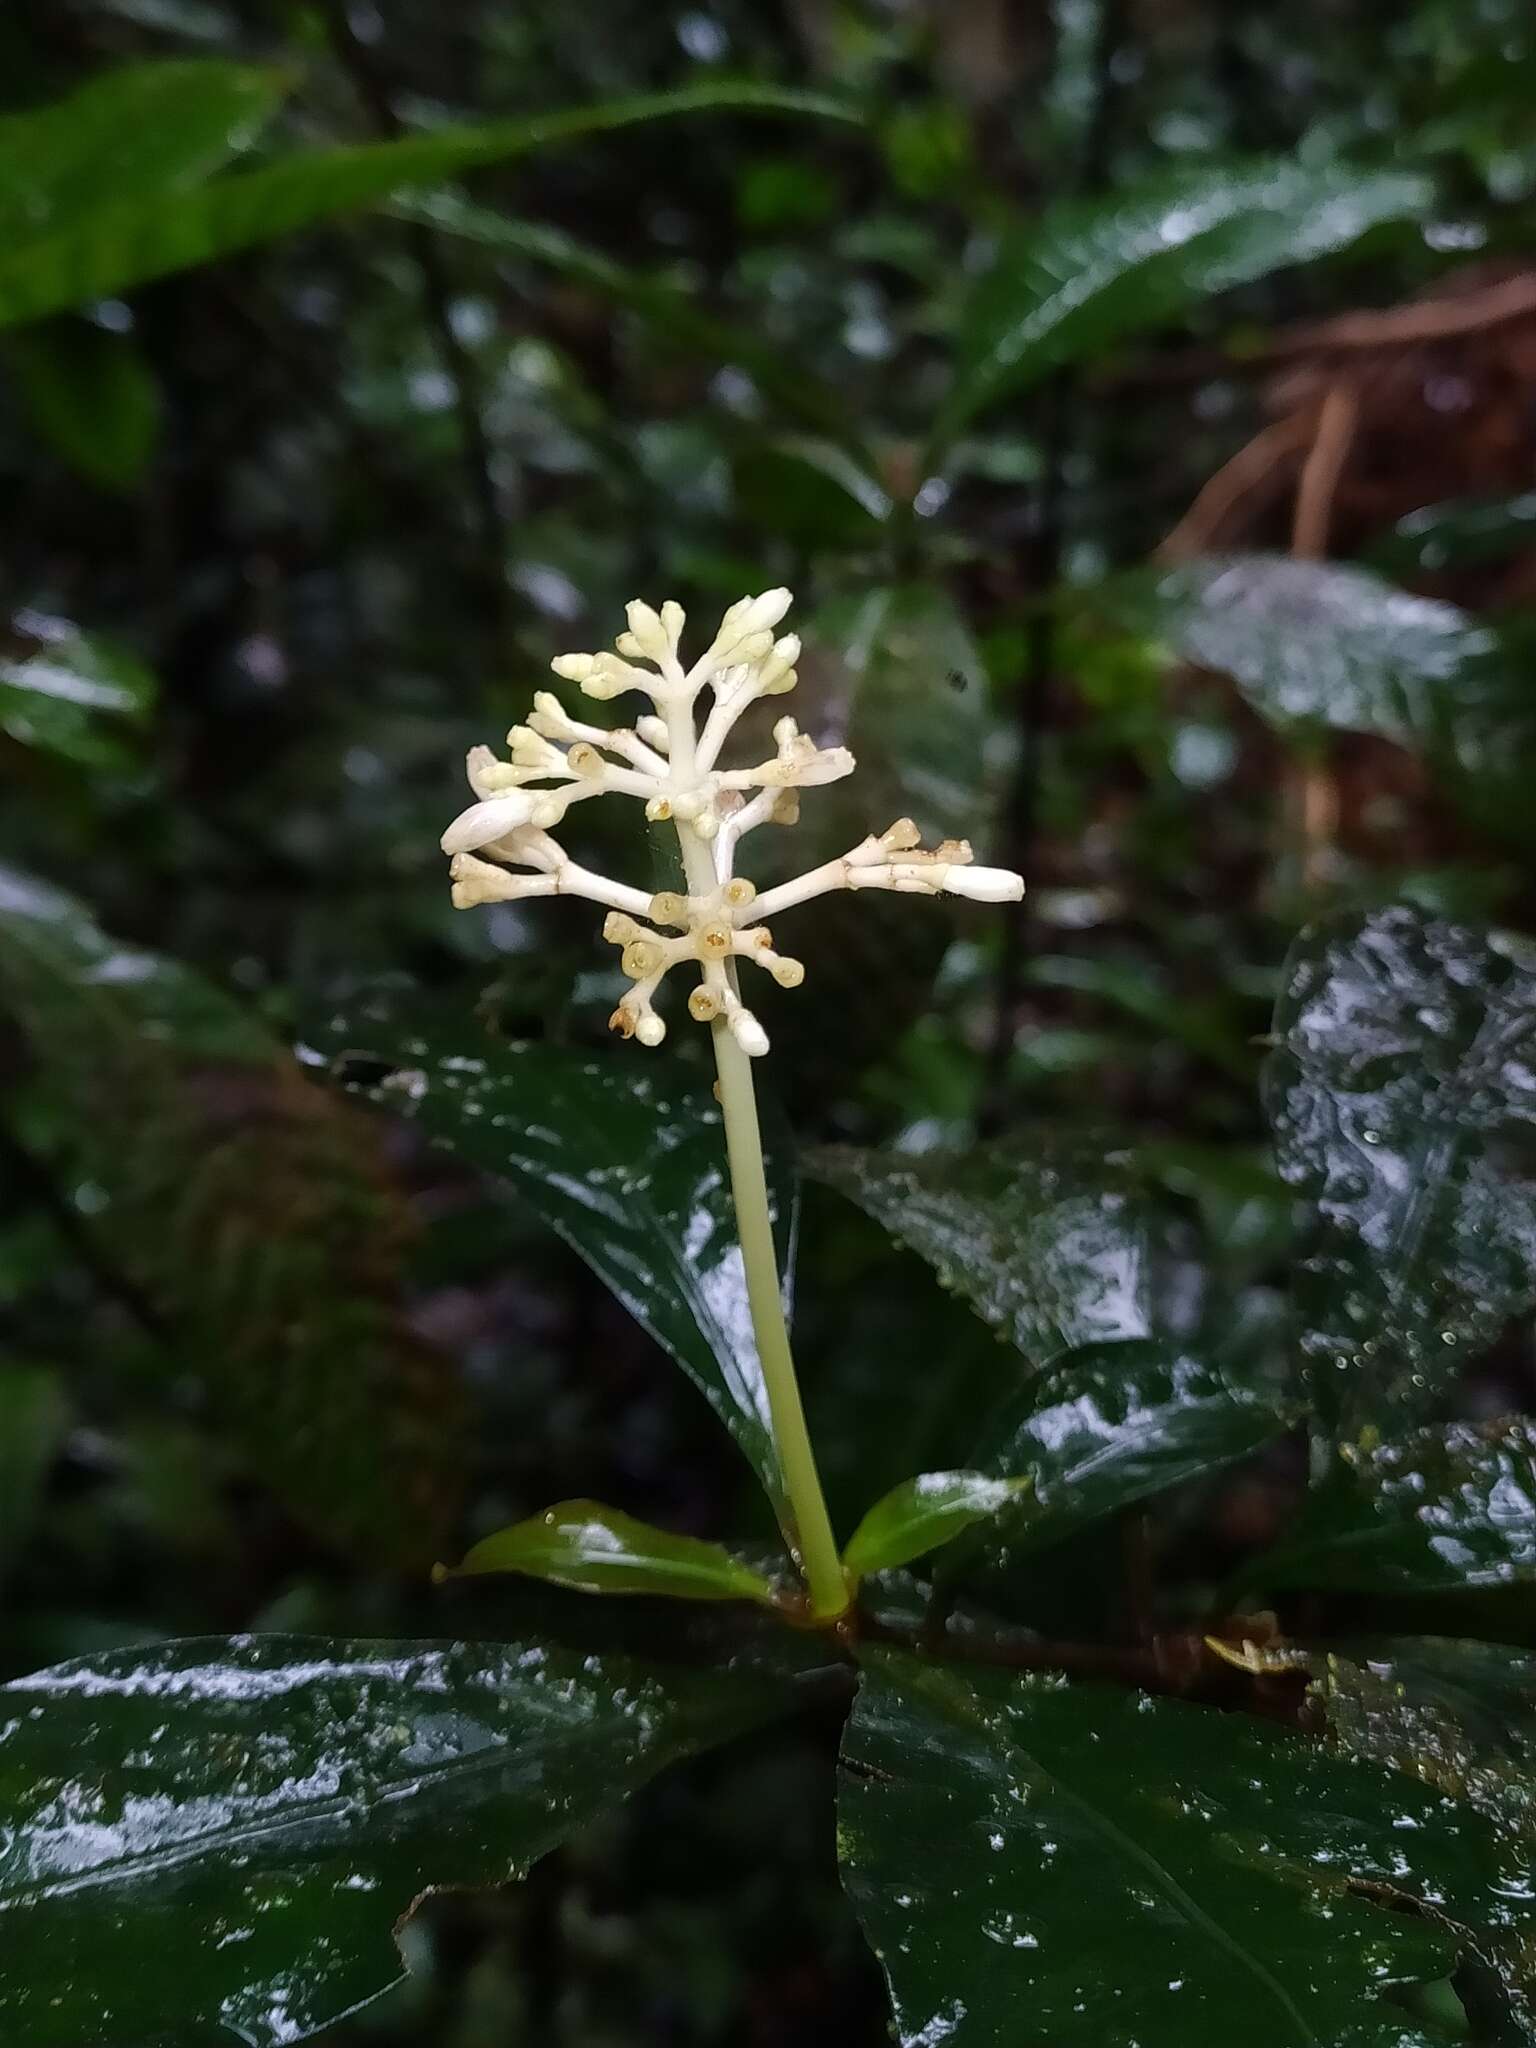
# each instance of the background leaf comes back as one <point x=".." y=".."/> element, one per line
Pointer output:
<point x="119" y="241"/>
<point x="73" y="694"/>
<point x="1111" y="1424"/>
<point x="265" y="1809"/>
<point x="593" y="1548"/>
<point x="624" y="1157"/>
<point x="1092" y="271"/>
<point x="1402" y="1098"/>
<point x="1051" y="1252"/>
<point x="33" y="1417"/>
<point x="1442" y="1510"/>
<point x="250" y="1217"/>
<point x="1102" y="1868"/>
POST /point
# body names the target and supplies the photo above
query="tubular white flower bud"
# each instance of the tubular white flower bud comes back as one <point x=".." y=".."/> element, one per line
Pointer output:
<point x="483" y="822"/>
<point x="650" y="1030"/>
<point x="575" y="668"/>
<point x="748" y="1033"/>
<point x="649" y="635"/>
<point x="984" y="885"/>
<point x="653" y="731"/>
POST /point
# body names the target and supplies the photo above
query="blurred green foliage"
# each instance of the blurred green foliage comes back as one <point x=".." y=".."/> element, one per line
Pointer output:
<point x="946" y="313"/>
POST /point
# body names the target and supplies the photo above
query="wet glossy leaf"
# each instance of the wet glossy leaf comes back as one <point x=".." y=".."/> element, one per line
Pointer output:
<point x="122" y="241"/>
<point x="72" y="694"/>
<point x="264" y="1810"/>
<point x="1441" y="1510"/>
<point x="1040" y="1862"/>
<point x="91" y="394"/>
<point x="1462" y="533"/>
<point x="1050" y="1251"/>
<point x="1460" y="1716"/>
<point x="923" y="1513"/>
<point x="33" y="1418"/>
<point x="675" y="314"/>
<point x="594" y="1548"/>
<point x="140" y="131"/>
<point x="1315" y="645"/>
<point x="1402" y="1095"/>
<point x="623" y="1155"/>
<point x="810" y="492"/>
<point x="1112" y="1424"/>
<point x="1091" y="272"/>
<point x="252" y="1223"/>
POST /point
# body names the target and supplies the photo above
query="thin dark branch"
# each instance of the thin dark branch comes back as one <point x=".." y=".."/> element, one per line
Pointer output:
<point x="1040" y="572"/>
<point x="372" y="89"/>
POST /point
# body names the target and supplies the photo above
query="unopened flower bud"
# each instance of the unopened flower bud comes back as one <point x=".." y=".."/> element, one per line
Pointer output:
<point x="673" y="620"/>
<point x="901" y="836"/>
<point x="575" y="668"/>
<point x="653" y="731"/>
<point x="493" y="819"/>
<point x="785" y="731"/>
<point x="650" y="1030"/>
<point x="748" y="1033"/>
<point x="646" y="631"/>
<point x="984" y="885"/>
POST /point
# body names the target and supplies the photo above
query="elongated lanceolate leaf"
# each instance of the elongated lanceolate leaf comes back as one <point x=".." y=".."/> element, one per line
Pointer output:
<point x="1070" y="285"/>
<point x="593" y="1548"/>
<point x="117" y="241"/>
<point x="1403" y="1097"/>
<point x="624" y="1157"/>
<point x="1044" y="1865"/>
<point x="216" y="1839"/>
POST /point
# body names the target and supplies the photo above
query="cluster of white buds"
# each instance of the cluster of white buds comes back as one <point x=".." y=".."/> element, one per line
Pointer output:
<point x="670" y="761"/>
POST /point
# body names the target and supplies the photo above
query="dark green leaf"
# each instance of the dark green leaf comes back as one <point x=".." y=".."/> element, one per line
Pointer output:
<point x="91" y="394"/>
<point x="1442" y="1510"/>
<point x="1051" y="1252"/>
<point x="264" y="1810"/>
<point x="1402" y="1098"/>
<point x="674" y="313"/>
<point x="623" y="1155"/>
<point x="33" y="1418"/>
<point x="127" y="240"/>
<point x="1460" y="1716"/>
<point x="73" y="695"/>
<point x="251" y="1220"/>
<point x="597" y="1549"/>
<point x="142" y="131"/>
<point x="1071" y="285"/>
<point x="923" y="1513"/>
<point x="1038" y="1862"/>
<point x="1112" y="1424"/>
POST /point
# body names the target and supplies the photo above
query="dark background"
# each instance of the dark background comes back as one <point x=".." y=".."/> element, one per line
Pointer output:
<point x="333" y="506"/>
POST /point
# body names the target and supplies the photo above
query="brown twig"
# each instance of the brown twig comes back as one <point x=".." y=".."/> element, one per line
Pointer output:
<point x="1261" y="470"/>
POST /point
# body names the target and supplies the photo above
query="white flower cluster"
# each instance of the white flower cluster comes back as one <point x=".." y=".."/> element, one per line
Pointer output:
<point x="669" y="760"/>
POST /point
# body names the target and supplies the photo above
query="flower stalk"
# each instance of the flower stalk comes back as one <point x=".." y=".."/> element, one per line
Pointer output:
<point x="502" y="849"/>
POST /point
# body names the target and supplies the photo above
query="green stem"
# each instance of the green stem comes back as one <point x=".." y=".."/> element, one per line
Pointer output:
<point x="812" y="1535"/>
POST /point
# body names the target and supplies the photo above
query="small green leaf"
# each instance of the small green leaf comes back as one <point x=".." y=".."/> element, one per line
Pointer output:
<point x="1074" y="1865"/>
<point x="1050" y="1251"/>
<point x="91" y="394"/>
<point x="1401" y="1090"/>
<point x="1443" y="1510"/>
<point x="1112" y="1424"/>
<point x="1069" y="286"/>
<point x="623" y="1156"/>
<point x="73" y="695"/>
<point x="269" y="1809"/>
<point x="597" y="1549"/>
<point x="1462" y="533"/>
<point x="810" y="492"/>
<point x="118" y="241"/>
<point x="923" y="1513"/>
